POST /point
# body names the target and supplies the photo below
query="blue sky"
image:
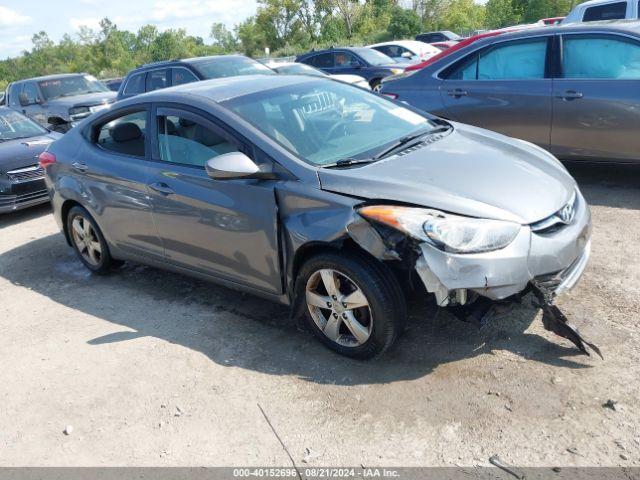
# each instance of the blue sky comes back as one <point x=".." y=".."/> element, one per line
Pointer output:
<point x="19" y="20"/>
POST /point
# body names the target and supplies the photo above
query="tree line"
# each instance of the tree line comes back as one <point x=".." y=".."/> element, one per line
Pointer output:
<point x="286" y="27"/>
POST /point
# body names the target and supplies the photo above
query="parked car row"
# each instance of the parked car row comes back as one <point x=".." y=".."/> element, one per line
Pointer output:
<point x="568" y="89"/>
<point x="301" y="188"/>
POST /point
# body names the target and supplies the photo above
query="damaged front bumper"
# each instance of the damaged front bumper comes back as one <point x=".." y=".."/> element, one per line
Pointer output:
<point x="549" y="263"/>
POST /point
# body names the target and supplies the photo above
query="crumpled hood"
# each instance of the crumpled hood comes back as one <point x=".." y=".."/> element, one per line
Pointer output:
<point x="85" y="100"/>
<point x="471" y="171"/>
<point x="24" y="152"/>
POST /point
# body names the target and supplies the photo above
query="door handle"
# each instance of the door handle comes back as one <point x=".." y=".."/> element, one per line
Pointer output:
<point x="570" y="95"/>
<point x="457" y="93"/>
<point x="162" y="188"/>
<point x="80" y="167"/>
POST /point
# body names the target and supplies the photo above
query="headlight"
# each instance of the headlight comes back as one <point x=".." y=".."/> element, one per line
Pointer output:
<point x="397" y="71"/>
<point x="451" y="233"/>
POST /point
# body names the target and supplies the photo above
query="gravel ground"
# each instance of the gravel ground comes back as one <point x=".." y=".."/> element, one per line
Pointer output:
<point x="152" y="368"/>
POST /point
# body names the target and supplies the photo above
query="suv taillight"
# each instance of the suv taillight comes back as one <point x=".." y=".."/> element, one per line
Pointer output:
<point x="46" y="158"/>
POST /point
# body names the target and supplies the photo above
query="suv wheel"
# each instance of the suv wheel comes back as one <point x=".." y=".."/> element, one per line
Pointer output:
<point x="354" y="305"/>
<point x="88" y="241"/>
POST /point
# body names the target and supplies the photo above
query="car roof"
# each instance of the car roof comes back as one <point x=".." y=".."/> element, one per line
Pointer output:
<point x="597" y="2"/>
<point x="226" y="88"/>
<point x="408" y="43"/>
<point x="51" y="77"/>
<point x="628" y="26"/>
<point x="181" y="62"/>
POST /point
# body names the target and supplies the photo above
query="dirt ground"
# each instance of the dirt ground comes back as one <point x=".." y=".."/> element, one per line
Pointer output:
<point x="152" y="368"/>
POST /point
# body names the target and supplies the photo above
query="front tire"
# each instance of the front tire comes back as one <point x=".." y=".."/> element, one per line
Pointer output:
<point x="354" y="305"/>
<point x="88" y="242"/>
<point x="376" y="84"/>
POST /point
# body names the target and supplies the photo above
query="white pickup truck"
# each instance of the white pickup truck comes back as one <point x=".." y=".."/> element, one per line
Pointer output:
<point x="594" y="10"/>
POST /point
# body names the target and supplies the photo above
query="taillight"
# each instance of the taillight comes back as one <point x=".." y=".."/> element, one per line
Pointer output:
<point x="46" y="158"/>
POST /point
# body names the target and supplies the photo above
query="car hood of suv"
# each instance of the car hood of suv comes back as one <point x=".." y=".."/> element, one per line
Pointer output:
<point x="470" y="172"/>
<point x="23" y="152"/>
<point x="85" y="100"/>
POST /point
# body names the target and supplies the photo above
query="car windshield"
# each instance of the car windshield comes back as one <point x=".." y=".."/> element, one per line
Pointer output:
<point x="70" y="86"/>
<point x="374" y="57"/>
<point x="323" y="122"/>
<point x="299" y="69"/>
<point x="15" y="125"/>
<point x="231" y="67"/>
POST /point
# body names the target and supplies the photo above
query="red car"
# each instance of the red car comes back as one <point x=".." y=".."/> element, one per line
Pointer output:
<point x="444" y="45"/>
<point x="552" y="20"/>
<point x="455" y="47"/>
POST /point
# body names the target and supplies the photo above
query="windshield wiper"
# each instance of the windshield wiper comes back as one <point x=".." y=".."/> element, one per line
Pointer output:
<point x="348" y="162"/>
<point x="406" y="140"/>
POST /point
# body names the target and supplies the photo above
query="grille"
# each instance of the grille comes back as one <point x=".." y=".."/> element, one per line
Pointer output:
<point x="558" y="220"/>
<point x="33" y="172"/>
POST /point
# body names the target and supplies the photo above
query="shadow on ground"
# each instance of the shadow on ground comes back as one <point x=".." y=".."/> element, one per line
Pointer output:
<point x="236" y="329"/>
<point x="608" y="185"/>
<point x="14" y="218"/>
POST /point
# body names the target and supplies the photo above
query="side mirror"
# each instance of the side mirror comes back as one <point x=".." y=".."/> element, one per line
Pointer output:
<point x="234" y="165"/>
<point x="406" y="55"/>
<point x="24" y="100"/>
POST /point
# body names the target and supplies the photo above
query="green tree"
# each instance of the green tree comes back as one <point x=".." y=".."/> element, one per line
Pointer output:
<point x="404" y="23"/>
<point x="501" y="13"/>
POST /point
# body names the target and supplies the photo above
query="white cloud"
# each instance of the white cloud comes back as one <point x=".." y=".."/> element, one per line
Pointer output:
<point x="91" y="22"/>
<point x="216" y="10"/>
<point x="11" y="18"/>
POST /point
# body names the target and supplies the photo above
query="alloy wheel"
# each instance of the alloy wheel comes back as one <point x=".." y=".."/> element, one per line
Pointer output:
<point x="339" y="307"/>
<point x="86" y="240"/>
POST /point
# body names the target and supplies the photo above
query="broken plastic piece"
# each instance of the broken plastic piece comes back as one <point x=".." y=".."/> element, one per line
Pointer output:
<point x="497" y="461"/>
<point x="555" y="321"/>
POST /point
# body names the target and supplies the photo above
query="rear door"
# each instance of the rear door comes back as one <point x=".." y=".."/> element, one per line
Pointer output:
<point x="596" y="100"/>
<point x="322" y="61"/>
<point x="504" y="87"/>
<point x="113" y="169"/>
<point x="225" y="228"/>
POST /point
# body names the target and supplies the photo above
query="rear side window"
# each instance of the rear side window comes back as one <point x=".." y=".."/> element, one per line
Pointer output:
<point x="135" y="85"/>
<point x="14" y="94"/>
<point x="184" y="141"/>
<point x="323" y="60"/>
<point x="181" y="75"/>
<point x="30" y="92"/>
<point x="600" y="57"/>
<point x="609" y="11"/>
<point x="509" y="61"/>
<point x="157" y="79"/>
<point x="124" y="135"/>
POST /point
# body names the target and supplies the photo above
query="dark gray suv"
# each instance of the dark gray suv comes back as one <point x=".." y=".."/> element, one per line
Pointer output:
<point x="322" y="196"/>
<point x="58" y="102"/>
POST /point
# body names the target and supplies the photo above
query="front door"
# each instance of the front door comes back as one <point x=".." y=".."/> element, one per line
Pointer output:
<point x="502" y="88"/>
<point x="596" y="106"/>
<point x="225" y="228"/>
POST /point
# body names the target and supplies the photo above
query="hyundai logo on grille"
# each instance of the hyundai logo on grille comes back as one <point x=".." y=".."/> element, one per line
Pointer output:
<point x="567" y="212"/>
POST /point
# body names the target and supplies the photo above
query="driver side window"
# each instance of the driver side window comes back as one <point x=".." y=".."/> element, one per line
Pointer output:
<point x="184" y="141"/>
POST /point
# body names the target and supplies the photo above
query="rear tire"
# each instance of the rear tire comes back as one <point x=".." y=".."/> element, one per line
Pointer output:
<point x="88" y="242"/>
<point x="353" y="304"/>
